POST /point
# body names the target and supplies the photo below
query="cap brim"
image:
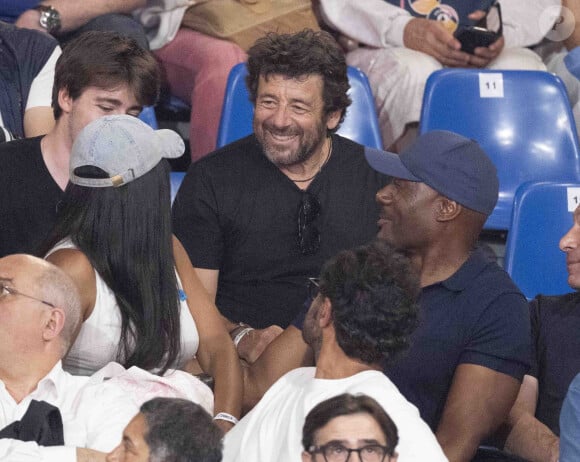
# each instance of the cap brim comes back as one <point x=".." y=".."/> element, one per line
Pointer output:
<point x="257" y="6"/>
<point x="389" y="164"/>
<point x="171" y="143"/>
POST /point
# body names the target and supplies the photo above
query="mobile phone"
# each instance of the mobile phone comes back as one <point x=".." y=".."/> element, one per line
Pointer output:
<point x="473" y="36"/>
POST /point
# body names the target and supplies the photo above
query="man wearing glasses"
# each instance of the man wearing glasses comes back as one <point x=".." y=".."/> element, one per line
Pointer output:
<point x="261" y="215"/>
<point x="363" y="313"/>
<point x="39" y="314"/>
<point x="346" y="424"/>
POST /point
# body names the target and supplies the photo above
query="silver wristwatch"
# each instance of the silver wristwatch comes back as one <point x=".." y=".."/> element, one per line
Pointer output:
<point x="49" y="18"/>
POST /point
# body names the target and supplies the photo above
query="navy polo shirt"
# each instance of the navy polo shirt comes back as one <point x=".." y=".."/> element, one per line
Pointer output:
<point x="477" y="316"/>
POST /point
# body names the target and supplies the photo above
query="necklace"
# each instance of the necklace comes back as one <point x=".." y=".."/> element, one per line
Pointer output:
<point x="321" y="165"/>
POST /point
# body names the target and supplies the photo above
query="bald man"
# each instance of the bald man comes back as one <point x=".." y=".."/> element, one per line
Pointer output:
<point x="39" y="315"/>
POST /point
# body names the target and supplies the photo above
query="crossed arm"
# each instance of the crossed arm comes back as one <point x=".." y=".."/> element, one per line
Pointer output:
<point x="478" y="402"/>
<point x="528" y="437"/>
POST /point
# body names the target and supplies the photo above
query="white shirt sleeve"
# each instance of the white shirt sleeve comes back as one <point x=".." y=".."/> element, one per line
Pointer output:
<point x="372" y="22"/>
<point x="41" y="88"/>
<point x="29" y="451"/>
<point x="526" y="22"/>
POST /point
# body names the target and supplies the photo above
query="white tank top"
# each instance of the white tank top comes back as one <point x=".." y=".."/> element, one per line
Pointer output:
<point x="99" y="338"/>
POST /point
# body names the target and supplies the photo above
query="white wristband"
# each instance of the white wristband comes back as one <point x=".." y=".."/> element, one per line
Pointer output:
<point x="240" y="335"/>
<point x="227" y="417"/>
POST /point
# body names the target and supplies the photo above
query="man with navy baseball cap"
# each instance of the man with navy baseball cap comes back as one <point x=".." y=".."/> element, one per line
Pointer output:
<point x="471" y="350"/>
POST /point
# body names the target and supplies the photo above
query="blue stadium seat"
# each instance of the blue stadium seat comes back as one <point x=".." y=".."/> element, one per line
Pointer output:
<point x="176" y="179"/>
<point x="360" y="124"/>
<point x="147" y="115"/>
<point x="540" y="218"/>
<point x="528" y="129"/>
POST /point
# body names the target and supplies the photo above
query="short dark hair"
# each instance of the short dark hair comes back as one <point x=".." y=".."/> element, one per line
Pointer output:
<point x="373" y="291"/>
<point x="179" y="430"/>
<point x="105" y="59"/>
<point x="300" y="54"/>
<point x="347" y="404"/>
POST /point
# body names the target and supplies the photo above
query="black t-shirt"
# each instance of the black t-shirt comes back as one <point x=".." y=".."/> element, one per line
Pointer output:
<point x="556" y="352"/>
<point x="29" y="197"/>
<point x="237" y="212"/>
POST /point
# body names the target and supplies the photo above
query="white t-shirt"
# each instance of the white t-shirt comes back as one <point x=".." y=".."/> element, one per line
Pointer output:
<point x="93" y="416"/>
<point x="40" y="94"/>
<point x="99" y="338"/>
<point x="272" y="431"/>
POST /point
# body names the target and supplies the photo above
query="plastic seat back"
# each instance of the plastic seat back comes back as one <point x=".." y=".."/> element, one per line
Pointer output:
<point x="540" y="218"/>
<point x="176" y="178"/>
<point x="522" y="119"/>
<point x="360" y="124"/>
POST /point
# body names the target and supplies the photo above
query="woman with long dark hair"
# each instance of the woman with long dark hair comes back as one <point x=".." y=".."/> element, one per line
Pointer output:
<point x="143" y="304"/>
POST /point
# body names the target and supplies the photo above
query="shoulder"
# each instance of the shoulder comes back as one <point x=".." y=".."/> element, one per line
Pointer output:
<point x="25" y="149"/>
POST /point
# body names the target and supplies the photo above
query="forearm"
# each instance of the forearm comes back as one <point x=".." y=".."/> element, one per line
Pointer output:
<point x="224" y="366"/>
<point x="75" y="14"/>
<point x="531" y="439"/>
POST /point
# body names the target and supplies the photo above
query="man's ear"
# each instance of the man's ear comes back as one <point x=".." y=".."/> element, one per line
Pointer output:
<point x="54" y="323"/>
<point x="325" y="313"/>
<point x="65" y="101"/>
<point x="306" y="457"/>
<point x="447" y="209"/>
<point x="332" y="119"/>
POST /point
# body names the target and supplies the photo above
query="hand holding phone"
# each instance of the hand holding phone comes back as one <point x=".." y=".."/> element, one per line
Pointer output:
<point x="474" y="36"/>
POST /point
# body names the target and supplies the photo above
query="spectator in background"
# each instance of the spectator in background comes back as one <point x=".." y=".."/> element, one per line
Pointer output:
<point x="196" y="67"/>
<point x="349" y="423"/>
<point x="99" y="73"/>
<point x="534" y="419"/>
<point x="169" y="430"/>
<point x="402" y="46"/>
<point x="27" y="62"/>
<point x="65" y="19"/>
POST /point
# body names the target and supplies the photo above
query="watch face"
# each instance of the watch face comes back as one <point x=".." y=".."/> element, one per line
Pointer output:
<point x="50" y="19"/>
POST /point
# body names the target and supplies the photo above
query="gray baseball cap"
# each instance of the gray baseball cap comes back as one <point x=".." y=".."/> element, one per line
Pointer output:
<point x="124" y="147"/>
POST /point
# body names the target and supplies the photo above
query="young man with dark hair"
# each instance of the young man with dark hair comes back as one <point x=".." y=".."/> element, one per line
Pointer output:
<point x="169" y="430"/>
<point x="365" y="312"/>
<point x="260" y="216"/>
<point x="100" y="73"/>
<point x="333" y="426"/>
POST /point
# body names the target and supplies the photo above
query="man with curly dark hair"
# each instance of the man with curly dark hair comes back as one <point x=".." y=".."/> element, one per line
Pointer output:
<point x="260" y="216"/>
<point x="364" y="310"/>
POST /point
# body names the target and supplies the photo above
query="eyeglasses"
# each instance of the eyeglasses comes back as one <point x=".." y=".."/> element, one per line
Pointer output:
<point x="313" y="287"/>
<point x="336" y="452"/>
<point x="5" y="291"/>
<point x="308" y="234"/>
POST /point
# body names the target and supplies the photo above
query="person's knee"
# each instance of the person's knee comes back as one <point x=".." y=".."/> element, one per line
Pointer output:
<point x="519" y="59"/>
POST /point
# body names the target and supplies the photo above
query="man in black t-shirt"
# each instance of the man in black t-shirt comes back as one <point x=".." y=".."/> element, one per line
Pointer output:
<point x="260" y="216"/>
<point x="100" y="73"/>
<point x="534" y="419"/>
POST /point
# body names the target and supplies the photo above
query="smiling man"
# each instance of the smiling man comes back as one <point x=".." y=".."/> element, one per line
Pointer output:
<point x="260" y="216"/>
<point x="99" y="73"/>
